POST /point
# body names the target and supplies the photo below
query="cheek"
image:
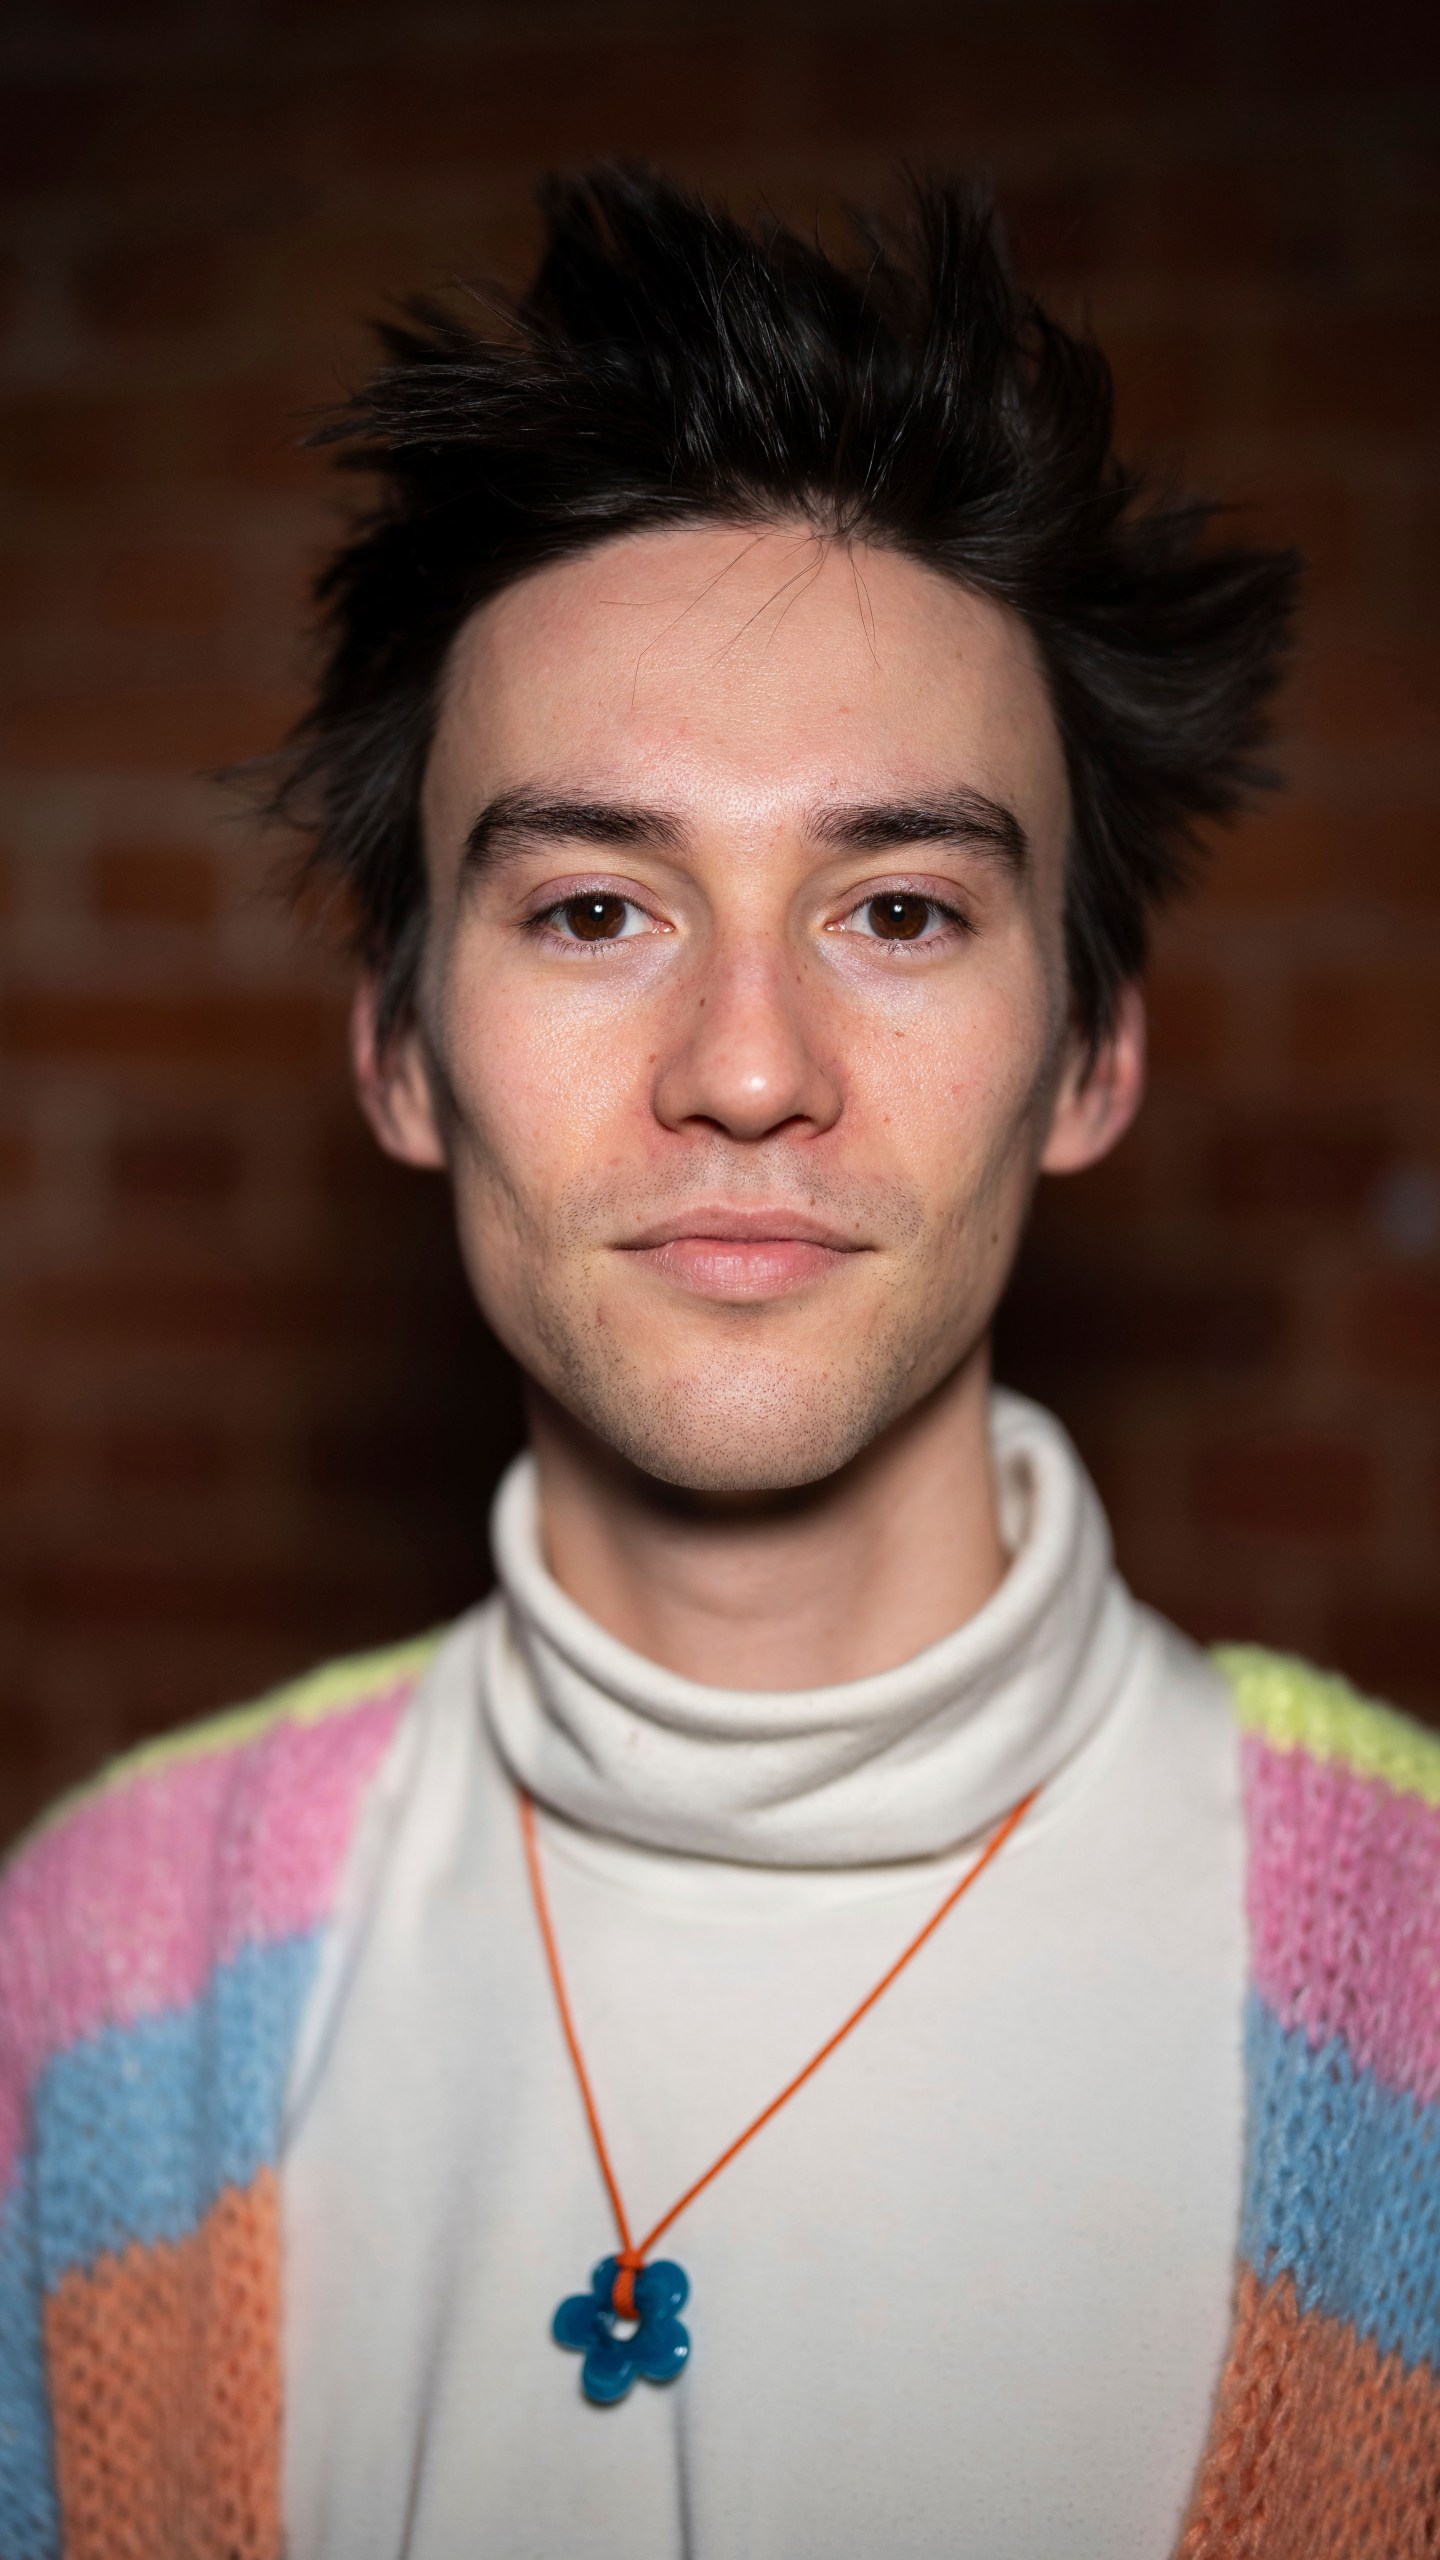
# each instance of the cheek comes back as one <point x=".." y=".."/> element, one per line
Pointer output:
<point x="543" y="1087"/>
<point x="953" y="1091"/>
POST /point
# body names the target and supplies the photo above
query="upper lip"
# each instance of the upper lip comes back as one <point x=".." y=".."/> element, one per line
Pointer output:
<point x="744" y="1226"/>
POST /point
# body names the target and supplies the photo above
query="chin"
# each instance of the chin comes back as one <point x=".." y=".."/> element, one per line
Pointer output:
<point x="750" y="1428"/>
<point x="693" y="1465"/>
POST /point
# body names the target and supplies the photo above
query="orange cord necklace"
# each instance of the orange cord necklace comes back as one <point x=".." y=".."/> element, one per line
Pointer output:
<point x="630" y="2286"/>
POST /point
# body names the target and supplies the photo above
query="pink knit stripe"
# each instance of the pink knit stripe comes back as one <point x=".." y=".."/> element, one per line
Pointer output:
<point x="149" y="1885"/>
<point x="1344" y="1901"/>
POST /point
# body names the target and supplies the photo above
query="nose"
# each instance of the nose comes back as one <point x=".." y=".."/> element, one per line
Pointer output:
<point x="747" y="1057"/>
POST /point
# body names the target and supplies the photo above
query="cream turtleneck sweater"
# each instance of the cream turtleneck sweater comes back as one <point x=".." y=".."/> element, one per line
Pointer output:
<point x="969" y="2292"/>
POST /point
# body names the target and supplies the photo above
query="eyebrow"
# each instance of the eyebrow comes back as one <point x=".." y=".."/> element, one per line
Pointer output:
<point x="521" y="816"/>
<point x="952" y="817"/>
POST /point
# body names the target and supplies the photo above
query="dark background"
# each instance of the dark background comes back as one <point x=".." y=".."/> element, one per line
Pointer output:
<point x="246" y="1417"/>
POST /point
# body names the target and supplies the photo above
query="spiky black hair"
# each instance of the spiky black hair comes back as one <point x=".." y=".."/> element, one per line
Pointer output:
<point x="671" y="365"/>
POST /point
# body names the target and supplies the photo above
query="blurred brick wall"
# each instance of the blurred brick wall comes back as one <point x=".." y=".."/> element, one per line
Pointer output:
<point x="246" y="1417"/>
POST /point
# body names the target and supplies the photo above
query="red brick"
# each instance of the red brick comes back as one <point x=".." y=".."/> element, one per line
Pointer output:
<point x="1297" y="853"/>
<point x="261" y="1032"/>
<point x="49" y="132"/>
<point x="250" y="141"/>
<point x="181" y="1455"/>
<point x="12" y="287"/>
<point x="17" y="1163"/>
<point x="1369" y="696"/>
<point x="1393" y="856"/>
<point x="350" y="1173"/>
<point x="1202" y="221"/>
<point x="119" y="1591"/>
<point x="1319" y="1167"/>
<point x="1390" y="1648"/>
<point x="1002" y="72"/>
<point x="1393" y="1328"/>
<point x="153" y="288"/>
<point x="339" y="273"/>
<point x="1187" y="1017"/>
<point x="1366" y="1021"/>
<point x="1228" y="221"/>
<point x="1152" y="56"/>
<point x="1326" y="48"/>
<point x="1169" y="382"/>
<point x="1113" y="1193"/>
<point x="54" y="443"/>
<point x="254" y="432"/>
<point x="368" y="1457"/>
<point x="42" y="591"/>
<point x="1322" y="516"/>
<point x="19" y="1448"/>
<point x="1408" y="211"/>
<point x="1421" y="547"/>
<point x="183" y="1165"/>
<point x="163" y="588"/>
<point x="36" y="1766"/>
<point x="1297" y="1487"/>
<point x="1234" y="1603"/>
<point x="1065" y="1324"/>
<point x="144" y="20"/>
<point x="555" y="103"/>
<point x="154" y="884"/>
<point x="165" y="728"/>
<point x="1378" y="373"/>
<point x="1281" y="855"/>
<point x="183" y="1309"/>
<point x="1056" y="229"/>
<point x="189" y="1308"/>
<point x="79" y="448"/>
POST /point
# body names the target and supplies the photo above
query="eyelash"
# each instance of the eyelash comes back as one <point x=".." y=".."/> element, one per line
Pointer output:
<point x="544" y="921"/>
<point x="939" y="907"/>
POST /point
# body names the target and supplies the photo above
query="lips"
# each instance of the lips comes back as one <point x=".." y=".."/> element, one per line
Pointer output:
<point x="743" y="1253"/>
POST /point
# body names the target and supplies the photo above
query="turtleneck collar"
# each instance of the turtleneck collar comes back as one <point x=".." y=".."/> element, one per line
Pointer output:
<point x="905" y="1764"/>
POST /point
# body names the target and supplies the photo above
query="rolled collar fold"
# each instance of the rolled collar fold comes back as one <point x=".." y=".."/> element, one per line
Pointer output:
<point x="904" y="1764"/>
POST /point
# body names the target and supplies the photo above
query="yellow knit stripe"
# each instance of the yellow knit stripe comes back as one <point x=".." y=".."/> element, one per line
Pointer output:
<point x="317" y="1694"/>
<point x="1298" y="1709"/>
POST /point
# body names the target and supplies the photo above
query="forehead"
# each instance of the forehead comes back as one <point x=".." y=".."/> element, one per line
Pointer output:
<point x="741" y="671"/>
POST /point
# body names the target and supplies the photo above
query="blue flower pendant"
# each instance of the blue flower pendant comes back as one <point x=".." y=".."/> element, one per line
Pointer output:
<point x="658" y="2346"/>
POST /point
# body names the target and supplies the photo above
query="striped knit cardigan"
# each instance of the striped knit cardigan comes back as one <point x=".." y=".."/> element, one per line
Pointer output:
<point x="157" y="1938"/>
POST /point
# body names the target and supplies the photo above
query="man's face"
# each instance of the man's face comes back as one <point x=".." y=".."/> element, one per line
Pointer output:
<point x="743" y="1024"/>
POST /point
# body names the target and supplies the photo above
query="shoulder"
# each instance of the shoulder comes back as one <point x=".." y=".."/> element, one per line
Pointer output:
<point x="227" y="1835"/>
<point x="174" y="1768"/>
<point x="1342" y="1798"/>
<point x="1287" y="1706"/>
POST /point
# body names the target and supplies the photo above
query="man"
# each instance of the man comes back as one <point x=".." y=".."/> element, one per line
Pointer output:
<point x="760" y="716"/>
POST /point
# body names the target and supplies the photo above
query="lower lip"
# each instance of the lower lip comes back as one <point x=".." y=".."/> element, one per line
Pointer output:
<point x="729" y="1267"/>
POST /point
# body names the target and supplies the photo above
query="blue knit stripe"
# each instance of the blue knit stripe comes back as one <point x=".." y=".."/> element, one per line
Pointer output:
<point x="1342" y="2177"/>
<point x="139" y="2128"/>
<point x="29" y="2509"/>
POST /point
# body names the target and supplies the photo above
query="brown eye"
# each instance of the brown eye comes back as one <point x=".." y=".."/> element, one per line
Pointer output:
<point x="596" y="919"/>
<point x="898" y="919"/>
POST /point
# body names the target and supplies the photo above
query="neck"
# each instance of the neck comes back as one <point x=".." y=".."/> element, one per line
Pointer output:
<point x="810" y="1587"/>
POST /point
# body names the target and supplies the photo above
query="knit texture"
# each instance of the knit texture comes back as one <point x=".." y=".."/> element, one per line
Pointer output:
<point x="160" y="1931"/>
<point x="158" y="1935"/>
<point x="1326" y="2438"/>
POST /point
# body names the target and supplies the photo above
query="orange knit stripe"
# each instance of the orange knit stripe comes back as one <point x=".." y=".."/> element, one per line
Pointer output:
<point x="165" y="2373"/>
<point x="1321" y="2449"/>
